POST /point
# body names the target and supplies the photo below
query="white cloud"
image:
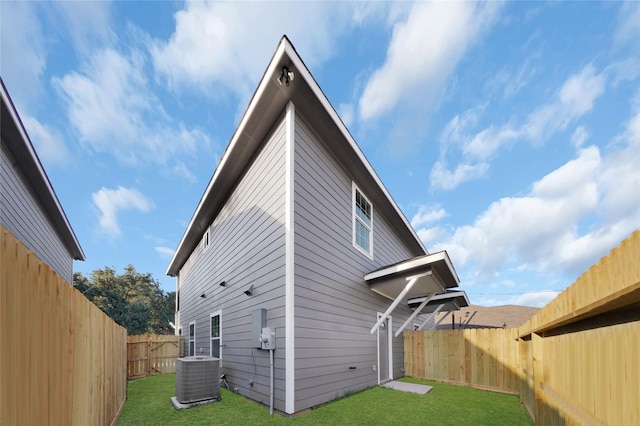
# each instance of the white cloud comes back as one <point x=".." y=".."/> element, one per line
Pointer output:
<point x="48" y="143"/>
<point x="531" y="228"/>
<point x="629" y="26"/>
<point x="536" y="299"/>
<point x="427" y="214"/>
<point x="579" y="136"/>
<point x="110" y="202"/>
<point x="165" y="252"/>
<point x="229" y="43"/>
<point x="345" y="111"/>
<point x="541" y="230"/>
<point x="431" y="236"/>
<point x="424" y="50"/>
<point x="484" y="144"/>
<point x="88" y="23"/>
<point x="114" y="110"/>
<point x="575" y="98"/>
<point x="21" y="38"/>
<point x="181" y="169"/>
<point x="443" y="178"/>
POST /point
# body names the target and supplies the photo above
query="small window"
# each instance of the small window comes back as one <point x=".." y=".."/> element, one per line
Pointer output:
<point x="216" y="335"/>
<point x="205" y="240"/>
<point x="192" y="338"/>
<point x="362" y="222"/>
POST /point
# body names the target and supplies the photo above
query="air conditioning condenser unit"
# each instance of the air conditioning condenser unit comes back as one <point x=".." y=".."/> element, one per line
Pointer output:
<point x="197" y="379"/>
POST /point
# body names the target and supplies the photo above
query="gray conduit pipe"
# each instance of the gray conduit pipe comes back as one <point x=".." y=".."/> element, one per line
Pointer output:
<point x="271" y="391"/>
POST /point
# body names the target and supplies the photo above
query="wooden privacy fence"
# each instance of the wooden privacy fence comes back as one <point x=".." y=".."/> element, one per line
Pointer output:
<point x="482" y="357"/>
<point x="62" y="360"/>
<point x="576" y="361"/>
<point x="149" y="354"/>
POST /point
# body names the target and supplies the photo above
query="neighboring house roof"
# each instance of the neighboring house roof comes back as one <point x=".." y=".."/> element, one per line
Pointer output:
<point x="265" y="108"/>
<point x="16" y="139"/>
<point x="474" y="316"/>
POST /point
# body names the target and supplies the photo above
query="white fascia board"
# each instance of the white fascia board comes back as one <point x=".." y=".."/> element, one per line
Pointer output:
<point x="441" y="296"/>
<point x="413" y="263"/>
<point x="275" y="61"/>
<point x="302" y="69"/>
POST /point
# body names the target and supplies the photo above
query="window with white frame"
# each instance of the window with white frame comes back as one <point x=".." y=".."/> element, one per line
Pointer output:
<point x="362" y="222"/>
<point x="192" y="338"/>
<point x="205" y="240"/>
<point x="215" y="332"/>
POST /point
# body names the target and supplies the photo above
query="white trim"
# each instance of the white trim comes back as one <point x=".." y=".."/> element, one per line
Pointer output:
<point x="431" y="315"/>
<point x="415" y="263"/>
<point x="444" y="297"/>
<point x="218" y="314"/>
<point x="354" y="218"/>
<point x="389" y="331"/>
<point x="289" y="262"/>
<point x="194" y="338"/>
<point x="414" y="314"/>
<point x="394" y="304"/>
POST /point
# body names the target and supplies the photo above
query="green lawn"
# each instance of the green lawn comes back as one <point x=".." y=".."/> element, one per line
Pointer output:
<point x="148" y="404"/>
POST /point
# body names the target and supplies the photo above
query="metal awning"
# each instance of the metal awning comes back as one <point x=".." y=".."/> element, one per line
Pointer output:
<point x="451" y="300"/>
<point x="423" y="276"/>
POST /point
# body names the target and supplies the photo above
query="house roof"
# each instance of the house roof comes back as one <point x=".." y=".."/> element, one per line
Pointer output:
<point x="265" y="108"/>
<point x="451" y="300"/>
<point x="475" y="316"/>
<point x="435" y="272"/>
<point x="17" y="141"/>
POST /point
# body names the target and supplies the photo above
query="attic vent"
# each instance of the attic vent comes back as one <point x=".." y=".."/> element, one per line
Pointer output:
<point x="197" y="378"/>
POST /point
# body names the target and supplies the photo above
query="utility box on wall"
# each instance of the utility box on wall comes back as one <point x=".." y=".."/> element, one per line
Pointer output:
<point x="268" y="338"/>
<point x="258" y="322"/>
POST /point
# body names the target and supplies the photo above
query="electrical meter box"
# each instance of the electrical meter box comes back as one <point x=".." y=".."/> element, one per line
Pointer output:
<point x="268" y="338"/>
<point x="258" y="322"/>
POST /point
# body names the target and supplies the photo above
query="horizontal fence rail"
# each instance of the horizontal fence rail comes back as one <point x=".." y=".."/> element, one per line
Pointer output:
<point x="576" y="361"/>
<point x="62" y="360"/>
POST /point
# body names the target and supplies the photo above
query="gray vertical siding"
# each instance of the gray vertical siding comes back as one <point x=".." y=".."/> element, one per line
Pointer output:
<point x="22" y="214"/>
<point x="335" y="309"/>
<point x="247" y="246"/>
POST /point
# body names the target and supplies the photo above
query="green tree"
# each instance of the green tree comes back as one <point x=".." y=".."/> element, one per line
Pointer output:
<point x="132" y="299"/>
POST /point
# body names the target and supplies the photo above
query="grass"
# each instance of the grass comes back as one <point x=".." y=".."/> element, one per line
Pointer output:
<point x="148" y="404"/>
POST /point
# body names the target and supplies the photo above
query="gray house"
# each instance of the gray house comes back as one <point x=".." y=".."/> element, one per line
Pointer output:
<point x="29" y="207"/>
<point x="296" y="231"/>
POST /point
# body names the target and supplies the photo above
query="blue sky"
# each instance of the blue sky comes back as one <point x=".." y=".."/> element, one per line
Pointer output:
<point x="508" y="133"/>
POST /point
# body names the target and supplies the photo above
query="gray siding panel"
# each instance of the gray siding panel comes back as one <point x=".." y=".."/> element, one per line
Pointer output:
<point x="247" y="247"/>
<point x="22" y="215"/>
<point x="335" y="309"/>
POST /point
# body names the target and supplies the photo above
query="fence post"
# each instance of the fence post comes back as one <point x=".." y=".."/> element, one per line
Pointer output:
<point x="148" y="338"/>
<point x="538" y="376"/>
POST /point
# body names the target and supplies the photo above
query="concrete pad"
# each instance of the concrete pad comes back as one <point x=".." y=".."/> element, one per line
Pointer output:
<point x="408" y="387"/>
<point x="181" y="406"/>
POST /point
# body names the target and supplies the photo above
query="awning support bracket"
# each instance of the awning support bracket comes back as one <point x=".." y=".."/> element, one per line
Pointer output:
<point x="414" y="314"/>
<point x="431" y="315"/>
<point x="412" y="280"/>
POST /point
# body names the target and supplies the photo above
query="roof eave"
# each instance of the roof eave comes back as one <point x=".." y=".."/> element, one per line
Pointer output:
<point x="27" y="158"/>
<point x="285" y="54"/>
